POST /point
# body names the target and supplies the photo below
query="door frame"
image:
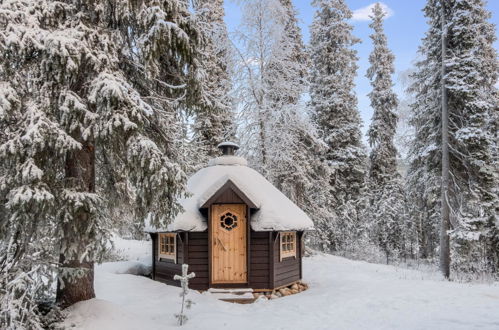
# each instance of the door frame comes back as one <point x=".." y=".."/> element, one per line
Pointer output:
<point x="248" y="239"/>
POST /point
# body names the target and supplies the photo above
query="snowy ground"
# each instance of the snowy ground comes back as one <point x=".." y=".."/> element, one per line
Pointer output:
<point x="343" y="294"/>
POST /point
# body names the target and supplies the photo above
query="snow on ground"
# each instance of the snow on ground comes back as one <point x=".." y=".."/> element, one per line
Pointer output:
<point x="343" y="294"/>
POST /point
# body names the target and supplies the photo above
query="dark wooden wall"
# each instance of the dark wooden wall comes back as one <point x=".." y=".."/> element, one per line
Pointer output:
<point x="266" y="271"/>
<point x="197" y="258"/>
<point x="227" y="196"/>
<point x="289" y="269"/>
<point x="259" y="267"/>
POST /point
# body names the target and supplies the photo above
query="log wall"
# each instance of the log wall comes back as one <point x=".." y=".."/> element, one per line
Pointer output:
<point x="289" y="269"/>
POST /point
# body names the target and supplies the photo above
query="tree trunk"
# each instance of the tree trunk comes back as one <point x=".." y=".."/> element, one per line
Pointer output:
<point x="80" y="176"/>
<point x="445" y="221"/>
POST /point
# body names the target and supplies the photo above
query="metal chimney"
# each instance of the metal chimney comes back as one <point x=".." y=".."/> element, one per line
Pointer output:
<point x="228" y="148"/>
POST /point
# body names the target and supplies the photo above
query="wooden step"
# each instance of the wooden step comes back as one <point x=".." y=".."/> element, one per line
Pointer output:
<point x="240" y="296"/>
<point x="231" y="290"/>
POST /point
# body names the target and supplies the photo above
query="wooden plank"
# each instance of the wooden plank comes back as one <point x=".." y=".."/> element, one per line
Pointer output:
<point x="295" y="274"/>
<point x="210" y="245"/>
<point x="284" y="281"/>
<point x="153" y="254"/>
<point x="198" y="248"/>
<point x="260" y="279"/>
<point x="259" y="260"/>
<point x="198" y="235"/>
<point x="198" y="242"/>
<point x="271" y="260"/>
<point x="259" y="272"/>
<point x="198" y="268"/>
<point x="247" y="246"/>
<point x="289" y="273"/>
<point x="287" y="262"/>
<point x="300" y="250"/>
<point x="258" y="254"/>
<point x="195" y="261"/>
<point x="259" y="267"/>
<point x="199" y="255"/>
<point x="282" y="270"/>
<point x="262" y="247"/>
<point x="186" y="248"/>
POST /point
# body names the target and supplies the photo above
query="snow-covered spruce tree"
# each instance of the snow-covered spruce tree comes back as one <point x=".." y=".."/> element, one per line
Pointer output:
<point x="386" y="199"/>
<point x="93" y="95"/>
<point x="423" y="180"/>
<point x="214" y="121"/>
<point x="334" y="107"/>
<point x="472" y="71"/>
<point x="471" y="68"/>
<point x="284" y="80"/>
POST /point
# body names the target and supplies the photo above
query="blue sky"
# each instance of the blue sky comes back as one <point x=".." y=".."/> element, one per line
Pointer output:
<point x="404" y="30"/>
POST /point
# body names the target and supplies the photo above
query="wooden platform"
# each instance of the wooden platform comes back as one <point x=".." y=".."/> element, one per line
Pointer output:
<point x="239" y="296"/>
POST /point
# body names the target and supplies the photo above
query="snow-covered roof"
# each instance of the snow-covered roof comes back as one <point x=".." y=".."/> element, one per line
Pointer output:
<point x="274" y="210"/>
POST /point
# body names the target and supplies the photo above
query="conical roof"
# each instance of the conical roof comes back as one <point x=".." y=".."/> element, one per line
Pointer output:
<point x="273" y="211"/>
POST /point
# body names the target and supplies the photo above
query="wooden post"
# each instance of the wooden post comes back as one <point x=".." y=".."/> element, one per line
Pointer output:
<point x="445" y="220"/>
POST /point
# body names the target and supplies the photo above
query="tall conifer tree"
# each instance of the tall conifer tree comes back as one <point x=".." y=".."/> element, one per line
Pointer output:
<point x="334" y="106"/>
<point x="88" y="89"/>
<point x="386" y="199"/>
<point x="471" y="72"/>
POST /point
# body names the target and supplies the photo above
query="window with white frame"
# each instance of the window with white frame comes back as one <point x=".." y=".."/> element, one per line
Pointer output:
<point x="288" y="244"/>
<point x="167" y="246"/>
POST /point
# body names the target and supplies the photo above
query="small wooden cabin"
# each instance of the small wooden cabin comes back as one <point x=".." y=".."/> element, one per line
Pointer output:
<point x="236" y="231"/>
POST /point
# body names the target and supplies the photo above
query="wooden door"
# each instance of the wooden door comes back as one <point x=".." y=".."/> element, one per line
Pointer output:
<point x="228" y="243"/>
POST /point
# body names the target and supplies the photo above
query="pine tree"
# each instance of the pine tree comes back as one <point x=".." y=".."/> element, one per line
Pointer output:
<point x="96" y="95"/>
<point x="471" y="72"/>
<point x="214" y="121"/>
<point x="386" y="208"/>
<point x="334" y="106"/>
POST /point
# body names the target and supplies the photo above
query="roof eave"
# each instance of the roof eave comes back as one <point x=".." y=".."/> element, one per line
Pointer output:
<point x="229" y="184"/>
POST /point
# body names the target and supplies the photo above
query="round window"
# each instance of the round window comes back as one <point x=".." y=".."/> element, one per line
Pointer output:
<point x="228" y="221"/>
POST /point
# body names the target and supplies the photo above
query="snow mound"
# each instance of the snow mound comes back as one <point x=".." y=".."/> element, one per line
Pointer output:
<point x="101" y="314"/>
<point x="275" y="210"/>
<point x="126" y="267"/>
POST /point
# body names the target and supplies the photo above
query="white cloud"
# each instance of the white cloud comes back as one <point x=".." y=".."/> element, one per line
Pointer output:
<point x="362" y="14"/>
